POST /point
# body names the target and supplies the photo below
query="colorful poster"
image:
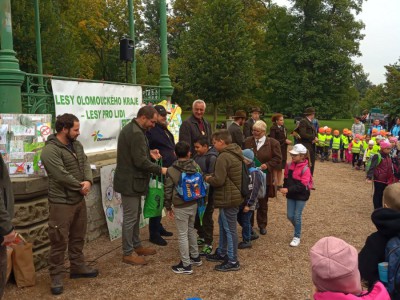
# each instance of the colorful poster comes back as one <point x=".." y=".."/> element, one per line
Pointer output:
<point x="21" y="130"/>
<point x="174" y="118"/>
<point x="100" y="108"/>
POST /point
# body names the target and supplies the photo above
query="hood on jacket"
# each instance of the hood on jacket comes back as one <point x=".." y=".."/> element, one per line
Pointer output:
<point x="187" y="166"/>
<point x="211" y="152"/>
<point x="235" y="150"/>
<point x="387" y="221"/>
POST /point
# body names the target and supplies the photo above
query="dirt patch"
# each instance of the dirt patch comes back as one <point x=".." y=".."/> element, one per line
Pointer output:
<point x="340" y="206"/>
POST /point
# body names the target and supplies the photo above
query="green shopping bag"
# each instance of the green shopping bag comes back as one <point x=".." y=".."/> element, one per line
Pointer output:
<point x="154" y="202"/>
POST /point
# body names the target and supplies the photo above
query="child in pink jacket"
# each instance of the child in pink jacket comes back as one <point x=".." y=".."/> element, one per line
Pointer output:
<point x="334" y="269"/>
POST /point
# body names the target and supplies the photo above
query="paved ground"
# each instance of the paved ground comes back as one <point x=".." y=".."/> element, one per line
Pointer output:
<point x="340" y="206"/>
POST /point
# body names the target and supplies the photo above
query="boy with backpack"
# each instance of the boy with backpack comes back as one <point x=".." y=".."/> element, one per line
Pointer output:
<point x="257" y="190"/>
<point x="183" y="186"/>
<point x="227" y="183"/>
<point x="205" y="158"/>
<point x="387" y="222"/>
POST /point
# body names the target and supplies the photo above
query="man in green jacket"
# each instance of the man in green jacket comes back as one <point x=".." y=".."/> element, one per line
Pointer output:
<point x="131" y="179"/>
<point x="7" y="232"/>
<point x="70" y="179"/>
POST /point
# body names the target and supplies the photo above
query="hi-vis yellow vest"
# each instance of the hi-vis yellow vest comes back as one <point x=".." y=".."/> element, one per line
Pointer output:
<point x="321" y="140"/>
<point x="356" y="147"/>
<point x="328" y="139"/>
<point x="345" y="141"/>
<point x="336" y="143"/>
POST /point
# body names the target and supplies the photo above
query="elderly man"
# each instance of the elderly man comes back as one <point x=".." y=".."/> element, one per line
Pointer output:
<point x="162" y="139"/>
<point x="195" y="126"/>
<point x="248" y="125"/>
<point x="70" y="179"/>
<point x="235" y="128"/>
<point x="308" y="135"/>
<point x="131" y="179"/>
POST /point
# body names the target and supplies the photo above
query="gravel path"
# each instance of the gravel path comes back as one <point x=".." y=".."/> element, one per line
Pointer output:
<point x="340" y="206"/>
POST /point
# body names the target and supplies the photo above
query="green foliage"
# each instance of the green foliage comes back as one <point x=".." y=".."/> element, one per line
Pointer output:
<point x="217" y="53"/>
<point x="392" y="89"/>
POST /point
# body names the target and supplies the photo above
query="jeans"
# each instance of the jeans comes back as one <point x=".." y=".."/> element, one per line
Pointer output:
<point x="294" y="213"/>
<point x="228" y="239"/>
<point x="130" y="223"/>
<point x="187" y="238"/>
<point x="244" y="219"/>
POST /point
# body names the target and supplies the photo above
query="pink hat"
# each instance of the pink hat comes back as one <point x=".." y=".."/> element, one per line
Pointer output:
<point x="334" y="266"/>
<point x="384" y="144"/>
<point x="393" y="139"/>
<point x="358" y="136"/>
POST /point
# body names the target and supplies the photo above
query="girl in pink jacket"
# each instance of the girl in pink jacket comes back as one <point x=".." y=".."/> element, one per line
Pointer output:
<point x="334" y="269"/>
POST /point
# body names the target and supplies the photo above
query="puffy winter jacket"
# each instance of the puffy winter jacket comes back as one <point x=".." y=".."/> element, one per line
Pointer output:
<point x="379" y="292"/>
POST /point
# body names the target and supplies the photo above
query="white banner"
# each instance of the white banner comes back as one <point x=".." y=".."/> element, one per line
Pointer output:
<point x="101" y="108"/>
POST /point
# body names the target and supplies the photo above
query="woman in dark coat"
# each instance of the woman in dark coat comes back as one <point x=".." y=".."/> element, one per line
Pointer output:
<point x="268" y="153"/>
<point x="278" y="132"/>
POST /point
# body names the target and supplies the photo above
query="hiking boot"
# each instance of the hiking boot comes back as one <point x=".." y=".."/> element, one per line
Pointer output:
<point x="83" y="272"/>
<point x="196" y="261"/>
<point x="200" y="241"/>
<point x="263" y="231"/>
<point x="57" y="287"/>
<point x="180" y="269"/>
<point x="228" y="266"/>
<point x="254" y="236"/>
<point x="158" y="241"/>
<point x="216" y="257"/>
<point x="295" y="242"/>
<point x="244" y="245"/>
<point x="164" y="232"/>
<point x="207" y="249"/>
<point x="145" y="251"/>
<point x="134" y="260"/>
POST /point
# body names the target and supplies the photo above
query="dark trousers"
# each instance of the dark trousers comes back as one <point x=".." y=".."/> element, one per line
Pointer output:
<point x="356" y="159"/>
<point x="207" y="230"/>
<point x="320" y="151"/>
<point x="67" y="229"/>
<point x="155" y="227"/>
<point x="379" y="187"/>
<point x="262" y="212"/>
<point x="342" y="151"/>
<point x="3" y="269"/>
<point x="311" y="150"/>
<point x="244" y="220"/>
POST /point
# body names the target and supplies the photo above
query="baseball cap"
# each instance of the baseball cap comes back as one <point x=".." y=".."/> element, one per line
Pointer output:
<point x="298" y="149"/>
<point x="161" y="110"/>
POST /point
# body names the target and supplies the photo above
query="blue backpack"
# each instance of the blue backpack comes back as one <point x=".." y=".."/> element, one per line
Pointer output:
<point x="263" y="188"/>
<point x="392" y="255"/>
<point x="191" y="186"/>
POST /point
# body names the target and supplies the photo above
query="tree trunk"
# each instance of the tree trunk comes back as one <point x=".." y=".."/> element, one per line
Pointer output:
<point x="215" y="107"/>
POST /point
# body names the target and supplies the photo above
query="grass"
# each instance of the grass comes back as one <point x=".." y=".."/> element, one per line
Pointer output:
<point x="289" y="123"/>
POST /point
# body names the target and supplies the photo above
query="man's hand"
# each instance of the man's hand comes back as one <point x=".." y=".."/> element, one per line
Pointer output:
<point x="288" y="142"/>
<point x="263" y="167"/>
<point x="155" y="154"/>
<point x="170" y="214"/>
<point x="164" y="171"/>
<point x="316" y="140"/>
<point x="9" y="238"/>
<point x="207" y="178"/>
<point x="85" y="187"/>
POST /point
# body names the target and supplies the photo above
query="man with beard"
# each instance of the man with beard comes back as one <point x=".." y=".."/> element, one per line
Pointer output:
<point x="70" y="179"/>
<point x="248" y="125"/>
<point x="235" y="128"/>
<point x="162" y="139"/>
<point x="308" y="134"/>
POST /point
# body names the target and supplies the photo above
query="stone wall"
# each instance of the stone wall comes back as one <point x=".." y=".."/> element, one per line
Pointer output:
<point x="31" y="208"/>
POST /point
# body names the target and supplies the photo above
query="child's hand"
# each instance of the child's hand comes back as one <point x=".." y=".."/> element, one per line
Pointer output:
<point x="170" y="214"/>
<point x="368" y="180"/>
<point x="283" y="191"/>
<point x="246" y="209"/>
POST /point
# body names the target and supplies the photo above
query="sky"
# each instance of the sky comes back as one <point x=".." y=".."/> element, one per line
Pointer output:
<point x="381" y="44"/>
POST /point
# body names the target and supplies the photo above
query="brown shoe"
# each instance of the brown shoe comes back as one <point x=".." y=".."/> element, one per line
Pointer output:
<point x="134" y="260"/>
<point x="145" y="251"/>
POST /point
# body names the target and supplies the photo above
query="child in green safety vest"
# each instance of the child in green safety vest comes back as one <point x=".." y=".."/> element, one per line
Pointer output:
<point x="328" y="139"/>
<point x="355" y="147"/>
<point x="335" y="145"/>
<point x="321" y="143"/>
<point x="345" y="144"/>
<point x="369" y="152"/>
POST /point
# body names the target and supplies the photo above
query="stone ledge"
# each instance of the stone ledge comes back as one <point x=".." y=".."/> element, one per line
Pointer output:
<point x="27" y="213"/>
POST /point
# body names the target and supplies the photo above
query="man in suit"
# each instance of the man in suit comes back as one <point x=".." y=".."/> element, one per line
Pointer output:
<point x="195" y="126"/>
<point x="308" y="135"/>
<point x="235" y="128"/>
<point x="248" y="125"/>
<point x="162" y="139"/>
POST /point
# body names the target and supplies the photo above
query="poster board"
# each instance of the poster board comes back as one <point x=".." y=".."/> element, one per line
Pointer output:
<point x="174" y="118"/>
<point x="100" y="107"/>
<point x="112" y="203"/>
<point x="22" y="138"/>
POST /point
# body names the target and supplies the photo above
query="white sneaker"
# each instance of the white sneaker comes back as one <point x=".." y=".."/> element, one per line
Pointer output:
<point x="295" y="242"/>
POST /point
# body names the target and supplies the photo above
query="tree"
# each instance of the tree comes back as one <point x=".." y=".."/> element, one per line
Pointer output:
<point x="217" y="53"/>
<point x="392" y="89"/>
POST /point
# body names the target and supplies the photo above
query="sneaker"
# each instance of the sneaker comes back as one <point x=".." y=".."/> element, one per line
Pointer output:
<point x="295" y="242"/>
<point x="216" y="258"/>
<point x="196" y="261"/>
<point x="200" y="241"/>
<point x="228" y="266"/>
<point x="244" y="245"/>
<point x="180" y="269"/>
<point x="207" y="249"/>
